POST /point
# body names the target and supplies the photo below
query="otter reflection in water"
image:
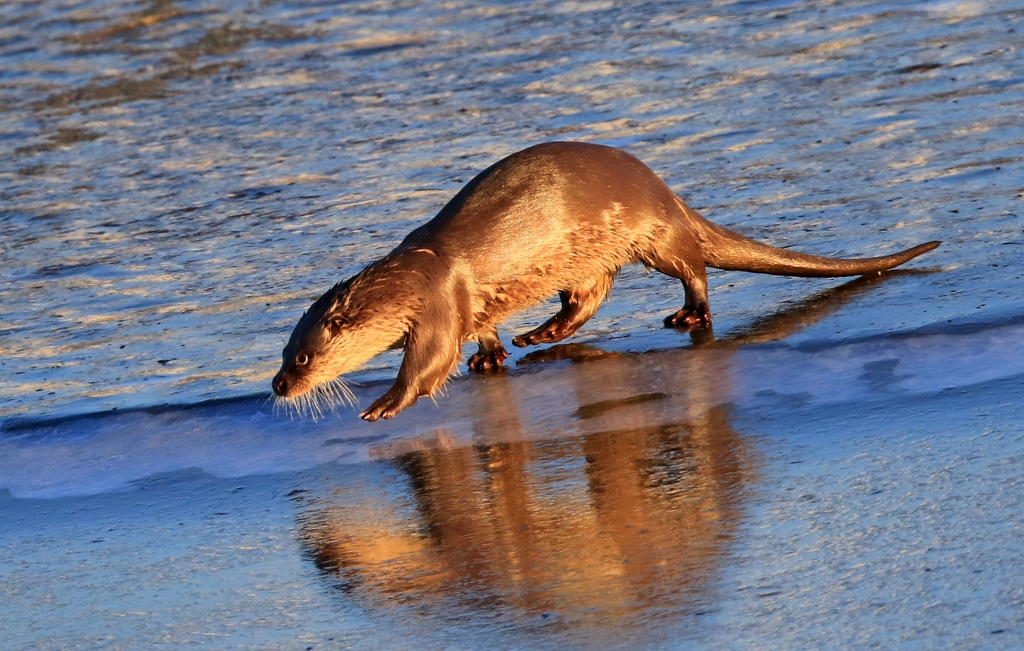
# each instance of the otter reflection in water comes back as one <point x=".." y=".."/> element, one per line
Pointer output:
<point x="605" y="515"/>
<point x="630" y="513"/>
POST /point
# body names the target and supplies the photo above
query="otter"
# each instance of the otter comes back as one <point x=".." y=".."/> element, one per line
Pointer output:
<point x="560" y="217"/>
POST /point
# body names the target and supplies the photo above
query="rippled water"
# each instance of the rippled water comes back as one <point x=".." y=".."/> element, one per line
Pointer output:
<point x="179" y="179"/>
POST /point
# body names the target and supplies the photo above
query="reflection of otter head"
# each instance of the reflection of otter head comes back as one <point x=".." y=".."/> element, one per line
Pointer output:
<point x="595" y="527"/>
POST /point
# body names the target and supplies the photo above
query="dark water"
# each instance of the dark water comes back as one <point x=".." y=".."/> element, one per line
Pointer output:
<point x="840" y="469"/>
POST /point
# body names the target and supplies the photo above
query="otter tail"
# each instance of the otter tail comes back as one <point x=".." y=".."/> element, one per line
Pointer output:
<point x="726" y="249"/>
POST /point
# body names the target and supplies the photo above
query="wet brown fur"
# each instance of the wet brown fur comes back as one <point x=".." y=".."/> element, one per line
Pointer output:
<point x="555" y="218"/>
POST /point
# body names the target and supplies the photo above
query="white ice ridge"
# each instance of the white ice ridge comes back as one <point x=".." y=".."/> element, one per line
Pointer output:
<point x="108" y="452"/>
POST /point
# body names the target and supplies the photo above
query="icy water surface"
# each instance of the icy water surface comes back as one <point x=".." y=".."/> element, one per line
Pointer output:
<point x="838" y="468"/>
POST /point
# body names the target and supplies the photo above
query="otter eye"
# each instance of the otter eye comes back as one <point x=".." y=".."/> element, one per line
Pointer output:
<point x="302" y="359"/>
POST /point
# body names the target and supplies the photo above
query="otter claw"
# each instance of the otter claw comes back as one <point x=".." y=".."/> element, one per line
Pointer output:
<point x="371" y="414"/>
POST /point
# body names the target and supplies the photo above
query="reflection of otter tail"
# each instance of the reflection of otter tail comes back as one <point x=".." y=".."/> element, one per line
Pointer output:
<point x="726" y="249"/>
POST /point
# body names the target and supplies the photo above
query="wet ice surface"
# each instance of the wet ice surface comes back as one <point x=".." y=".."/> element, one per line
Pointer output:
<point x="674" y="499"/>
<point x="178" y="180"/>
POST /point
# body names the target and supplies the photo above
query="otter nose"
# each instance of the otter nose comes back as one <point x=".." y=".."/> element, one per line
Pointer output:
<point x="280" y="385"/>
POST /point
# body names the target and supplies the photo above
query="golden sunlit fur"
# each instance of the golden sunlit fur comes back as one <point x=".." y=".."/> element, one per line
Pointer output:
<point x="556" y="218"/>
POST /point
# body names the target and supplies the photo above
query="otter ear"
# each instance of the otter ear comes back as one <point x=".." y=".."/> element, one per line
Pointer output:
<point x="338" y="316"/>
<point x="335" y="325"/>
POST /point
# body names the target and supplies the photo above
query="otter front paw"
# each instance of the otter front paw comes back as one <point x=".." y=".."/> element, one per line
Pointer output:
<point x="389" y="404"/>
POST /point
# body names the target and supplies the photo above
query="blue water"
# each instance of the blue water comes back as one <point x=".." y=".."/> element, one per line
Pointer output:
<point x="179" y="180"/>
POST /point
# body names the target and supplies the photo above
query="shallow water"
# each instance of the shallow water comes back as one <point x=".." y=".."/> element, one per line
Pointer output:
<point x="178" y="180"/>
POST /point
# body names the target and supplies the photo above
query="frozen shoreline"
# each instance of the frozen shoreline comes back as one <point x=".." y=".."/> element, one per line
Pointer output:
<point x="97" y="453"/>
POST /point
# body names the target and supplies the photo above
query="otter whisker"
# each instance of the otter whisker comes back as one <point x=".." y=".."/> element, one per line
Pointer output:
<point x="329" y="397"/>
<point x="342" y="392"/>
<point x="317" y="402"/>
<point x="262" y="402"/>
<point x="313" y="404"/>
<point x="307" y="407"/>
<point x="284" y="404"/>
<point x="316" y="399"/>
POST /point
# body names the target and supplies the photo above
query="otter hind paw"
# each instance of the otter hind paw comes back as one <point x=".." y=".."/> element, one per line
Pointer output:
<point x="482" y="362"/>
<point x="689" y="318"/>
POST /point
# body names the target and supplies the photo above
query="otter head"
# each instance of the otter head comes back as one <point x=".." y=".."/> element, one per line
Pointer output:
<point x="328" y="340"/>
